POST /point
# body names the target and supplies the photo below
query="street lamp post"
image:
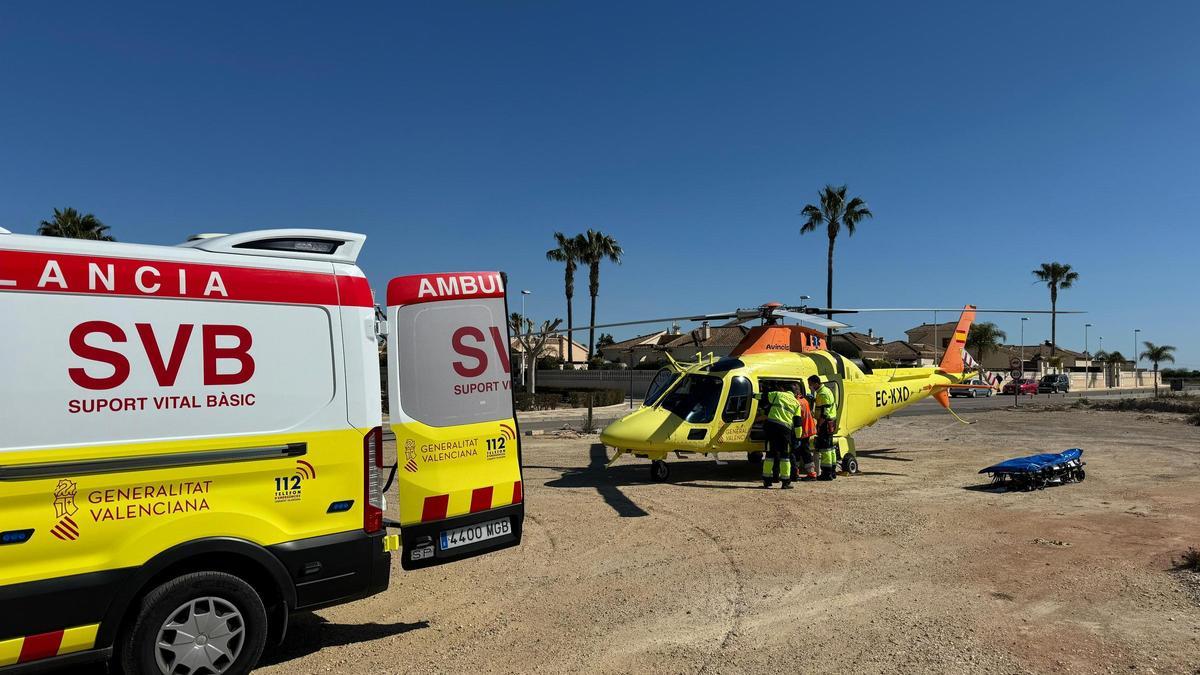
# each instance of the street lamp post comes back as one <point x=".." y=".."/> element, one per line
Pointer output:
<point x="1087" y="375"/>
<point x="1023" y="320"/>
<point x="521" y="328"/>
<point x="1137" y="376"/>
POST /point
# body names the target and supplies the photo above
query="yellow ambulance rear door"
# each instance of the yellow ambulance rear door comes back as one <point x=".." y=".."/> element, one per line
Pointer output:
<point x="451" y="407"/>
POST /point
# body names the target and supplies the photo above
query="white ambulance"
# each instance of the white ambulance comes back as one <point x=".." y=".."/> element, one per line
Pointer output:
<point x="191" y="441"/>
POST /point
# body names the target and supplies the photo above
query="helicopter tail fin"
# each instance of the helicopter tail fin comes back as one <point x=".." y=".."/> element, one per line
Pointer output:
<point x="952" y="360"/>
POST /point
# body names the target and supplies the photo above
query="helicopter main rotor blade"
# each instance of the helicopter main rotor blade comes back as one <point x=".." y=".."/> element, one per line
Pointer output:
<point x="694" y="317"/>
<point x="818" y="321"/>
<point x="830" y="310"/>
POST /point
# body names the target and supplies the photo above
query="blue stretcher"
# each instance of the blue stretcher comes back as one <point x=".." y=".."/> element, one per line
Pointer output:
<point x="1035" y="472"/>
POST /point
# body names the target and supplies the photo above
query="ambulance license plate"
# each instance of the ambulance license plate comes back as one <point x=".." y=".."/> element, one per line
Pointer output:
<point x="461" y="536"/>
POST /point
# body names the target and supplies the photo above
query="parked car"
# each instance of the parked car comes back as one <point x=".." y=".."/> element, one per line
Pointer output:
<point x="1054" y="384"/>
<point x="974" y="393"/>
<point x="1023" y="386"/>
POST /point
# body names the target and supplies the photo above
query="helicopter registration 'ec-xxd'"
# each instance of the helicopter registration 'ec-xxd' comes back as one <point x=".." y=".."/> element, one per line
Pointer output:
<point x="709" y="406"/>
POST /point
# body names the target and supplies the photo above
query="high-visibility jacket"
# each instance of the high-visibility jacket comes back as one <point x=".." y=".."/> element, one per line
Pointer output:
<point x="804" y="423"/>
<point x="826" y="402"/>
<point x="782" y="407"/>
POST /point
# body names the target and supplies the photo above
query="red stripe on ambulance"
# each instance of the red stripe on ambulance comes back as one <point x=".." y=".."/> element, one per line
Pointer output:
<point x="417" y="288"/>
<point x="435" y="508"/>
<point x="96" y="275"/>
<point x="354" y="292"/>
<point x="518" y="492"/>
<point x="40" y="646"/>
<point x="481" y="499"/>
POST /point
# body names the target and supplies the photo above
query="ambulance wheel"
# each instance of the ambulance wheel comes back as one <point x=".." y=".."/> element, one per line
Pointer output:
<point x="204" y="622"/>
<point x="756" y="458"/>
<point x="850" y="464"/>
<point x="659" y="471"/>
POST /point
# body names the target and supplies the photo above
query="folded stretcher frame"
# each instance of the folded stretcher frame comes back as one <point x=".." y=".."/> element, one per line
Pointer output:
<point x="1035" y="472"/>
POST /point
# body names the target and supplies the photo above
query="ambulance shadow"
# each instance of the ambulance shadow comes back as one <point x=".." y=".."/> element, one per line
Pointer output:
<point x="308" y="633"/>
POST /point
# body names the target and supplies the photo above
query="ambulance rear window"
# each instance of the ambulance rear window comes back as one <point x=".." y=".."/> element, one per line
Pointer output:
<point x="454" y="362"/>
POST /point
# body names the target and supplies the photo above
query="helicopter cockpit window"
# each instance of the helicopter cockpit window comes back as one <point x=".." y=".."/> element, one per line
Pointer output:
<point x="737" y="406"/>
<point x="659" y="386"/>
<point x="694" y="399"/>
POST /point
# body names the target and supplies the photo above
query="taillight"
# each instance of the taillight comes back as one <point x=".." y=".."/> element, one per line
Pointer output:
<point x="372" y="477"/>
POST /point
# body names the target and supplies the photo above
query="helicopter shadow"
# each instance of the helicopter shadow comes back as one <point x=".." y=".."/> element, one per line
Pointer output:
<point x="739" y="475"/>
<point x="594" y="475"/>
<point x="882" y="453"/>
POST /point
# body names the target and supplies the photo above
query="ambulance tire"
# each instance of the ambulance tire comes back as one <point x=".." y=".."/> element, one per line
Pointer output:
<point x="138" y="649"/>
<point x="659" y="471"/>
<point x="756" y="457"/>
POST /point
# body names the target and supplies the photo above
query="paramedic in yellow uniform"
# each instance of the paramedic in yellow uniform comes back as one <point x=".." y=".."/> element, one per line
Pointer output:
<point x="825" y="410"/>
<point x="778" y="408"/>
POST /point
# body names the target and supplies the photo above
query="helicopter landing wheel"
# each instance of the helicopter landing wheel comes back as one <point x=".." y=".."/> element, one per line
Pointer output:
<point x="1080" y="475"/>
<point x="850" y="464"/>
<point x="756" y="458"/>
<point x="659" y="471"/>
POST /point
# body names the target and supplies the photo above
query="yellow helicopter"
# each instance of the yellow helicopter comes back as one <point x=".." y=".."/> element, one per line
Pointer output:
<point x="709" y="406"/>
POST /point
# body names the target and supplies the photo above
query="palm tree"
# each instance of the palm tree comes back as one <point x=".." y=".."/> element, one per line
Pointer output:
<point x="69" y="223"/>
<point x="1156" y="354"/>
<point x="1115" y="360"/>
<point x="595" y="248"/>
<point x="567" y="250"/>
<point x="985" y="338"/>
<point x="1055" y="276"/>
<point x="833" y="211"/>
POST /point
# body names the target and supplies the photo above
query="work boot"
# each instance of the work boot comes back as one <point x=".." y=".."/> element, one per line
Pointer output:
<point x="767" y="482"/>
<point x="787" y="485"/>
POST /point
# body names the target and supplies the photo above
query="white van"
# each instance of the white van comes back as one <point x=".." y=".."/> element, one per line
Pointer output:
<point x="191" y="442"/>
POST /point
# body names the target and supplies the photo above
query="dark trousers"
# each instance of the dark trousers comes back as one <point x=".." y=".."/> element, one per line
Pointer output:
<point x="802" y="452"/>
<point x="779" y="447"/>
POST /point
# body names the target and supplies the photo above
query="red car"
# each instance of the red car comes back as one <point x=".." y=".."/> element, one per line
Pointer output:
<point x="1026" y="387"/>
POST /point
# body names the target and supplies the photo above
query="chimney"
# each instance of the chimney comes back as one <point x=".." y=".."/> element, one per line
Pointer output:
<point x="870" y="333"/>
<point x="705" y="333"/>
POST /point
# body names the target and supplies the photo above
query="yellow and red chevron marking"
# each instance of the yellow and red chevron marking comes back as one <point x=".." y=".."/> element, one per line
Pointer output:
<point x="66" y="529"/>
<point x="437" y="507"/>
<point x="45" y="645"/>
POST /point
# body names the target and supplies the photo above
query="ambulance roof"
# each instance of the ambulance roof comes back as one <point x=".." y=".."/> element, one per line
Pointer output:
<point x="301" y="248"/>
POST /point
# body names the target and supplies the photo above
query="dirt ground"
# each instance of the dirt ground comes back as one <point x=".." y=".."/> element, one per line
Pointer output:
<point x="907" y="567"/>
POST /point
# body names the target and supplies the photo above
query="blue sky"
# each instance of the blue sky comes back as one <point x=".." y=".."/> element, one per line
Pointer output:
<point x="461" y="135"/>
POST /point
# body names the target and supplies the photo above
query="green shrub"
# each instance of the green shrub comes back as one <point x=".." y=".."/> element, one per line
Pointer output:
<point x="523" y="401"/>
<point x="549" y="398"/>
<point x="600" y="397"/>
<point x="1168" y="403"/>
